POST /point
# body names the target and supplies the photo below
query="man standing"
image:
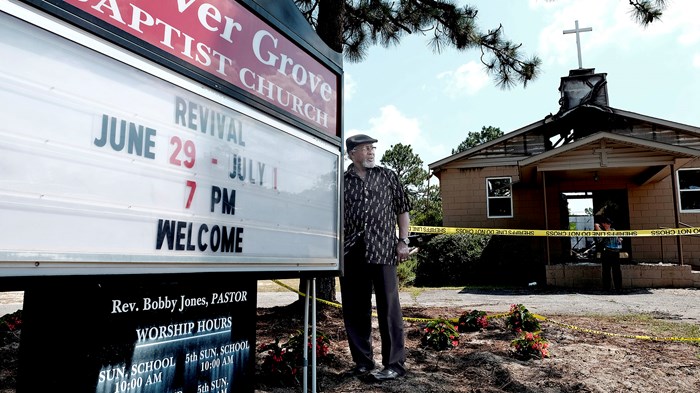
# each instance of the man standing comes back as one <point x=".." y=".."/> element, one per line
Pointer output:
<point x="375" y="201"/>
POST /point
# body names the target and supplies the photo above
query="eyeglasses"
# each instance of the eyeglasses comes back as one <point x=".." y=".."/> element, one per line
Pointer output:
<point x="366" y="148"/>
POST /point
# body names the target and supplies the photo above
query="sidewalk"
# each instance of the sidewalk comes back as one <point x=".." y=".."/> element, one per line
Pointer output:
<point x="665" y="303"/>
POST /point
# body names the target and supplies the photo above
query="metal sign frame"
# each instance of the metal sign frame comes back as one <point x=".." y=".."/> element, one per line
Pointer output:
<point x="270" y="259"/>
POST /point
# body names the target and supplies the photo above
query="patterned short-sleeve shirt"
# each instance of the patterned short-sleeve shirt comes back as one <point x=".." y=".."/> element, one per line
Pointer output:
<point x="371" y="209"/>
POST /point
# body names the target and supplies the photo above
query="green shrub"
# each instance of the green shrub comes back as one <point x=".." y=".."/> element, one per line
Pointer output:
<point x="520" y="319"/>
<point x="439" y="334"/>
<point x="511" y="260"/>
<point x="448" y="260"/>
<point x="472" y="321"/>
<point x="407" y="271"/>
<point x="530" y="346"/>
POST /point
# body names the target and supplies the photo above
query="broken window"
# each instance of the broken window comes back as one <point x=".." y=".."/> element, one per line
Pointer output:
<point x="689" y="189"/>
<point x="499" y="197"/>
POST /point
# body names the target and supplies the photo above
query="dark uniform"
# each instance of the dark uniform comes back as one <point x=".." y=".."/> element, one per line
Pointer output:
<point x="609" y="249"/>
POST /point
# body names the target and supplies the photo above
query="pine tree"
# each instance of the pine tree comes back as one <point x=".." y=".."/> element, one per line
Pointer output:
<point x="353" y="26"/>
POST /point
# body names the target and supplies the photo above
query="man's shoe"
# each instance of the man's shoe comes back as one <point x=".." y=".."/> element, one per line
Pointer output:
<point x="386" y="375"/>
<point x="357" y="371"/>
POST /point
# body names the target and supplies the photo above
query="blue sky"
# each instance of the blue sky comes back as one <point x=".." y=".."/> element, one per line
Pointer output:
<point x="408" y="94"/>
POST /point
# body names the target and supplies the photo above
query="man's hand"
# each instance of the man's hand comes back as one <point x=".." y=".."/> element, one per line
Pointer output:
<point x="402" y="251"/>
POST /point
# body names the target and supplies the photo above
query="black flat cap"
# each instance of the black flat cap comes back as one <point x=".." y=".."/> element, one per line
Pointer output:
<point x="359" y="139"/>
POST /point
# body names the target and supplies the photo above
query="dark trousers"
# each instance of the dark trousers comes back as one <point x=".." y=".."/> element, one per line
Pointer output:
<point x="356" y="291"/>
<point x="610" y="260"/>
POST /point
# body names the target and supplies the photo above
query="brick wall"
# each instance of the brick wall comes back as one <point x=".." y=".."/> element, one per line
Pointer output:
<point x="633" y="276"/>
<point x="651" y="207"/>
<point x="464" y="200"/>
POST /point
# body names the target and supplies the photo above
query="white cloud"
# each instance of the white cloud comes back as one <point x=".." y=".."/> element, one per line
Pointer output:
<point x="467" y="79"/>
<point x="609" y="20"/>
<point x="681" y="15"/>
<point x="535" y="4"/>
<point x="696" y="60"/>
<point x="689" y="37"/>
<point x="392" y="127"/>
<point x="350" y="87"/>
<point x="613" y="27"/>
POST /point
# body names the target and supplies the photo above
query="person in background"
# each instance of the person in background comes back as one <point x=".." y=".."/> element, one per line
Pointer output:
<point x="609" y="250"/>
<point x="374" y="203"/>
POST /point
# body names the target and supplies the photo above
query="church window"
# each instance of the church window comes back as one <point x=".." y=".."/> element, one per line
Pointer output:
<point x="499" y="197"/>
<point x="689" y="189"/>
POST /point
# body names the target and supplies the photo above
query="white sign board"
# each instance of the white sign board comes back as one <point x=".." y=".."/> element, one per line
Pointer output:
<point x="106" y="168"/>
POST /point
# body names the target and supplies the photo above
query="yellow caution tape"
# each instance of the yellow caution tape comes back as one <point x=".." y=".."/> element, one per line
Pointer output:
<point x="332" y="304"/>
<point x="503" y="315"/>
<point x="556" y="232"/>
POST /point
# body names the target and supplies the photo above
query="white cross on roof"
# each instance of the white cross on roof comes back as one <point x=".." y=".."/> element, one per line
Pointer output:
<point x="578" y="40"/>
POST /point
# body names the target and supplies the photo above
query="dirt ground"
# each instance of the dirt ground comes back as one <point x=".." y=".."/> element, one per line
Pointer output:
<point x="580" y="361"/>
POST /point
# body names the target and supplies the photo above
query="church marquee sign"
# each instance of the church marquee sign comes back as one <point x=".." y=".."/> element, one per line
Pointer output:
<point x="164" y="137"/>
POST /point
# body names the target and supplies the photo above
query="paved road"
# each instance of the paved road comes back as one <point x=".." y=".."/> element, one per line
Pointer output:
<point x="677" y="304"/>
<point x="681" y="304"/>
<point x="10" y="302"/>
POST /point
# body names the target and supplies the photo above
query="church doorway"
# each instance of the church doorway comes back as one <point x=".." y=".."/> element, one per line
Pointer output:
<point x="582" y="209"/>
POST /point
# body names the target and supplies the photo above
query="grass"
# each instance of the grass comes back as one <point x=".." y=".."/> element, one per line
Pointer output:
<point x="656" y="327"/>
<point x="664" y="328"/>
